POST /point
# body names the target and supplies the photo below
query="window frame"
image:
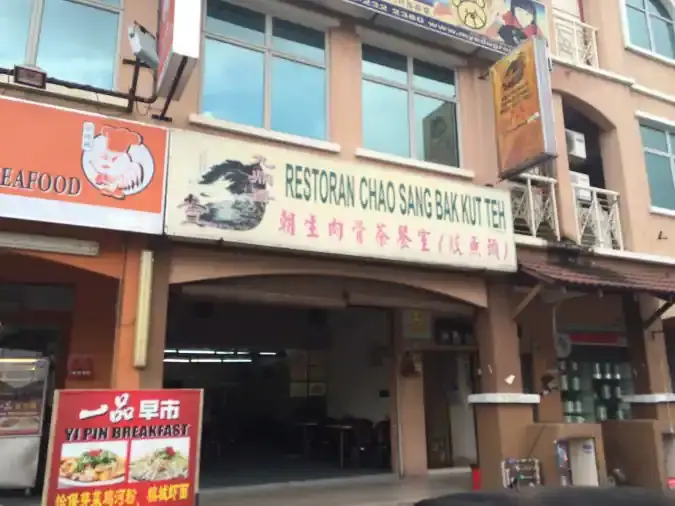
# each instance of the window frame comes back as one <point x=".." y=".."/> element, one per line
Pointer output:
<point x="668" y="131"/>
<point x="650" y="32"/>
<point x="411" y="91"/>
<point x="35" y="30"/>
<point x="294" y="15"/>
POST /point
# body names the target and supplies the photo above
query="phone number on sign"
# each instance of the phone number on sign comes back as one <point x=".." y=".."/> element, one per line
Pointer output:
<point x="126" y="496"/>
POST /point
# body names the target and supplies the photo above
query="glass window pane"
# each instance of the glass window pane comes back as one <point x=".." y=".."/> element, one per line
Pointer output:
<point x="384" y="64"/>
<point x="428" y="77"/>
<point x="640" y="4"/>
<point x="386" y="127"/>
<point x="653" y="138"/>
<point x="233" y="83"/>
<point x="637" y="27"/>
<point x="298" y="99"/>
<point x="78" y="43"/>
<point x="436" y="131"/>
<point x="14" y="23"/>
<point x="657" y="7"/>
<point x="299" y="41"/>
<point x="664" y="38"/>
<point x="660" y="177"/>
<point x="113" y="3"/>
<point x="229" y="20"/>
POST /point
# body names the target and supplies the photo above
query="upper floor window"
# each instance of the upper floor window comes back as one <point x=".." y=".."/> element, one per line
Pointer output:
<point x="264" y="72"/>
<point x="659" y="150"/>
<point x="73" y="40"/>
<point x="650" y="26"/>
<point x="409" y="107"/>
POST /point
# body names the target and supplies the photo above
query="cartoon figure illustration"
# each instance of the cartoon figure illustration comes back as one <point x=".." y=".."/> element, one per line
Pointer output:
<point x="517" y="24"/>
<point x="116" y="161"/>
<point x="225" y="196"/>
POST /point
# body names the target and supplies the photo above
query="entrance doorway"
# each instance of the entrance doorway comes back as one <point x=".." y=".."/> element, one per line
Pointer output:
<point x="449" y="418"/>
<point x="291" y="393"/>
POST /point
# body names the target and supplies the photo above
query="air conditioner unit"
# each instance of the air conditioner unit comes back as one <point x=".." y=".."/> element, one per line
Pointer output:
<point x="581" y="181"/>
<point x="576" y="146"/>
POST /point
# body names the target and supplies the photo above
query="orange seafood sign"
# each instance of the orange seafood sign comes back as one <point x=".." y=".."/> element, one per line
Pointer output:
<point x="63" y="166"/>
<point x="524" y="124"/>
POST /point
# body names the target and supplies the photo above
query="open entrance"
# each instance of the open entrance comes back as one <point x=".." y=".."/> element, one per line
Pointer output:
<point x="293" y="392"/>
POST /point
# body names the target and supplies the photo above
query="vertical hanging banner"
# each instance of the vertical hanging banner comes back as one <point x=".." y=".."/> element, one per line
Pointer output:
<point x="178" y="45"/>
<point x="124" y="448"/>
<point x="523" y="102"/>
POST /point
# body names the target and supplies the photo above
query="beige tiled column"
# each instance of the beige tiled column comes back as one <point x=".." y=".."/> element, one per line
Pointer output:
<point x="502" y="414"/>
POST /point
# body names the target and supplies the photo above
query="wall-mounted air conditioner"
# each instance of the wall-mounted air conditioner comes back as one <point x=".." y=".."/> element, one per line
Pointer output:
<point x="576" y="146"/>
<point x="581" y="181"/>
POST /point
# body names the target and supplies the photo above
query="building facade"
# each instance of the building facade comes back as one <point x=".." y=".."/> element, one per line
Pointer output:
<point x="350" y="135"/>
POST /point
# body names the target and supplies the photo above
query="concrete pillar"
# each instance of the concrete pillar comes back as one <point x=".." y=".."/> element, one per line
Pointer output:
<point x="124" y="374"/>
<point x="649" y="357"/>
<point x="502" y="417"/>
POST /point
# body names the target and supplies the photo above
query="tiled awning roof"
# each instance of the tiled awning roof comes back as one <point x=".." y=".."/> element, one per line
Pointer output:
<point x="640" y="277"/>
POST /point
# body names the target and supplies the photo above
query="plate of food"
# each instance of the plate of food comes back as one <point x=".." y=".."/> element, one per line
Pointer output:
<point x="93" y="467"/>
<point x="165" y="463"/>
<point x="19" y="423"/>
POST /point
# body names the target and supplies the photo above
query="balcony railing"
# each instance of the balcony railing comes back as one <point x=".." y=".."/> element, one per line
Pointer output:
<point x="598" y="221"/>
<point x="576" y="42"/>
<point x="535" y="210"/>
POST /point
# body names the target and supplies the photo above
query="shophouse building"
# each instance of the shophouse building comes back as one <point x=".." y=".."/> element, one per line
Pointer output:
<point x="319" y="236"/>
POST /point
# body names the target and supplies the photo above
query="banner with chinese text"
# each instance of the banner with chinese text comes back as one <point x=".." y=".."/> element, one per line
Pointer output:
<point x="497" y="25"/>
<point x="230" y="190"/>
<point x="124" y="448"/>
<point x="523" y="102"/>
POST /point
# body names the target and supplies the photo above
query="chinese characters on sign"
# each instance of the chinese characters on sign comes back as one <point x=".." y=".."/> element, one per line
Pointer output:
<point x="124" y="448"/>
<point x="240" y="192"/>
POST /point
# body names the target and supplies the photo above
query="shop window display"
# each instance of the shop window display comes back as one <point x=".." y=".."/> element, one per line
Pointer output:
<point x="593" y="382"/>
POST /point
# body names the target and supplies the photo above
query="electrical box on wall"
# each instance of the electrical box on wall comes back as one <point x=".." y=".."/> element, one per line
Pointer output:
<point x="576" y="146"/>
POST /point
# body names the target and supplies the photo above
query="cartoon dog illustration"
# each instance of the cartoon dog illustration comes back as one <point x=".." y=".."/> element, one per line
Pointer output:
<point x="117" y="162"/>
<point x="228" y="194"/>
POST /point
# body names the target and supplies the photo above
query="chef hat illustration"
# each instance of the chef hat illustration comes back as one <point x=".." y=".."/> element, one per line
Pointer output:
<point x="119" y="140"/>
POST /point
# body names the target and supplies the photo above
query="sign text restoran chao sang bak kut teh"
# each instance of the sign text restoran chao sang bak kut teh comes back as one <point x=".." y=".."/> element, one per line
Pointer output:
<point x="372" y="194"/>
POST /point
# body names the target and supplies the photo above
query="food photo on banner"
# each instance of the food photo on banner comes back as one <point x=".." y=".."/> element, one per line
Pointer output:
<point x="523" y="108"/>
<point x="124" y="448"/>
<point x="497" y="25"/>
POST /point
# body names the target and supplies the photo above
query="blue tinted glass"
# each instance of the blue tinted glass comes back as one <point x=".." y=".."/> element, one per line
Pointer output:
<point x="298" y="99"/>
<point x="664" y="38"/>
<point x="640" y="4"/>
<point x="385" y="119"/>
<point x="428" y="77"/>
<point x="78" y="43"/>
<point x="653" y="138"/>
<point x="384" y="64"/>
<point x="436" y="131"/>
<point x="235" y="22"/>
<point x="660" y="177"/>
<point x="14" y="21"/>
<point x="297" y="40"/>
<point x="113" y="3"/>
<point x="233" y="83"/>
<point x="657" y="7"/>
<point x="638" y="29"/>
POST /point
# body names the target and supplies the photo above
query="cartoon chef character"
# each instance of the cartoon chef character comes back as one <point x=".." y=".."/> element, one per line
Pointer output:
<point x="118" y="163"/>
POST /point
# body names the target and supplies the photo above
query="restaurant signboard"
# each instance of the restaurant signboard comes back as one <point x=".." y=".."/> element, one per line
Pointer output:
<point x="74" y="168"/>
<point x="124" y="448"/>
<point x="232" y="191"/>
<point x="496" y="25"/>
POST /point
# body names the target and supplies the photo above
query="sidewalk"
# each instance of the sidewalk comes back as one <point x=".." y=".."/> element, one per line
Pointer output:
<point x="380" y="491"/>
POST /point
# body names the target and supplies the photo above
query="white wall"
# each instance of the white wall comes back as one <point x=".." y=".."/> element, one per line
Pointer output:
<point x="354" y="381"/>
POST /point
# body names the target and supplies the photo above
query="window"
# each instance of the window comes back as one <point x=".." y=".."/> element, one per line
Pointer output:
<point x="73" y="40"/>
<point x="409" y="107"/>
<point x="264" y="72"/>
<point x="659" y="149"/>
<point x="650" y="26"/>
